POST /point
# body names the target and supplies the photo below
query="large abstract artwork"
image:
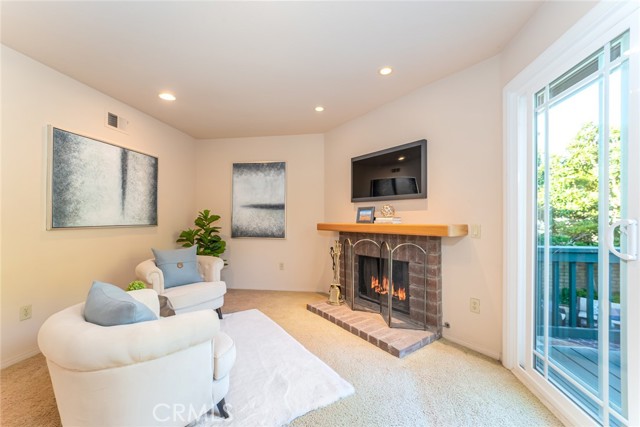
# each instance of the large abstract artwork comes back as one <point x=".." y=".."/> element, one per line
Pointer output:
<point x="259" y="200"/>
<point x="96" y="184"/>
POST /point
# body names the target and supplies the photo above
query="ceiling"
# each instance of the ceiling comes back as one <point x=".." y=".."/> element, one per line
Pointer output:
<point x="243" y="69"/>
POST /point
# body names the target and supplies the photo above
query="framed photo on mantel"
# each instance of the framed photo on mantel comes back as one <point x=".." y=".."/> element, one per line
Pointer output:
<point x="366" y="215"/>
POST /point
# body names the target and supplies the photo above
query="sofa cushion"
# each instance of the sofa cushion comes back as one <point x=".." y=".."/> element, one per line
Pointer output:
<point x="197" y="293"/>
<point x="108" y="305"/>
<point x="179" y="266"/>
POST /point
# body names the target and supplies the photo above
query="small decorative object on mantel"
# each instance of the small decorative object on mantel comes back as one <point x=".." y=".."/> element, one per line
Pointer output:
<point x="335" y="297"/>
<point x="390" y="220"/>
<point x="366" y="215"/>
<point x="388" y="212"/>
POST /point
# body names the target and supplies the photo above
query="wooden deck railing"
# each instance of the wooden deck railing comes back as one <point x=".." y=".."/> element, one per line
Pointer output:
<point x="574" y="269"/>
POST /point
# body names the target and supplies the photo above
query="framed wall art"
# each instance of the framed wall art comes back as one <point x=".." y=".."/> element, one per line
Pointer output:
<point x="258" y="200"/>
<point x="93" y="183"/>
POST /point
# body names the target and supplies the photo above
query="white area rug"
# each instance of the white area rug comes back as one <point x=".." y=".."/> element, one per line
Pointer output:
<point x="275" y="379"/>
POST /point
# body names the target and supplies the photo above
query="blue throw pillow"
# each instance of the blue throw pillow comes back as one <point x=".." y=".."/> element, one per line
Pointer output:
<point x="108" y="305"/>
<point x="179" y="266"/>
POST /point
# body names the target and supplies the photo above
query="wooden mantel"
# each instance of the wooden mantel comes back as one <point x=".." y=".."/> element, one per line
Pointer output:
<point x="438" y="230"/>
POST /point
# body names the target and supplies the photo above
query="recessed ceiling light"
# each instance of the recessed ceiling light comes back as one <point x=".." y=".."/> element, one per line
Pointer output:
<point x="167" y="96"/>
<point x="319" y="108"/>
<point x="385" y="71"/>
<point x="401" y="158"/>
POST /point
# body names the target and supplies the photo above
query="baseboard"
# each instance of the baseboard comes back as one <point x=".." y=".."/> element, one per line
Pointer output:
<point x="481" y="350"/>
<point x="19" y="358"/>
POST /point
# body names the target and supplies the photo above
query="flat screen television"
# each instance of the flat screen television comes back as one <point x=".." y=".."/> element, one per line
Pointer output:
<point x="392" y="174"/>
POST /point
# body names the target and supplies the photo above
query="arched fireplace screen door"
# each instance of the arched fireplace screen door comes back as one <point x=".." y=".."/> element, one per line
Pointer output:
<point x="389" y="280"/>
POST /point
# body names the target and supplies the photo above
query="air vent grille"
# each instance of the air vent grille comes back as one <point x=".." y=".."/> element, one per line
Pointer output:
<point x="116" y="122"/>
<point x="112" y="120"/>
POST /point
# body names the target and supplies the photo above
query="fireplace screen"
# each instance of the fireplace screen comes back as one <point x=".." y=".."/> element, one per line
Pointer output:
<point x="400" y="297"/>
<point x="373" y="282"/>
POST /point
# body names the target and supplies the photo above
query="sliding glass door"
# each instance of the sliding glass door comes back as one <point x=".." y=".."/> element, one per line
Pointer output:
<point x="585" y="237"/>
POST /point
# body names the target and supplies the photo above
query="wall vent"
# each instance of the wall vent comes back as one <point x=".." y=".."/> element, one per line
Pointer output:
<point x="117" y="122"/>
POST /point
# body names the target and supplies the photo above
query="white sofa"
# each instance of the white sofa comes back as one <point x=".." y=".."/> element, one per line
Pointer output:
<point x="208" y="294"/>
<point x="165" y="372"/>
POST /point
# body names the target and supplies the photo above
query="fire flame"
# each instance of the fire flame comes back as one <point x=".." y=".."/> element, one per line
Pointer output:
<point x="383" y="288"/>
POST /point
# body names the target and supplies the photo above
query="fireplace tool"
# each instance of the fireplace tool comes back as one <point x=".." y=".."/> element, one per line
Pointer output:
<point x="335" y="297"/>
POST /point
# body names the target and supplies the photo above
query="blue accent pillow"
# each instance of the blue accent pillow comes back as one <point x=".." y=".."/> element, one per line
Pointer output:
<point x="179" y="266"/>
<point x="108" y="305"/>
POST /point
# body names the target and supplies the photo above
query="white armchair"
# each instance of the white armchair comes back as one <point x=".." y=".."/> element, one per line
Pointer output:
<point x="165" y="372"/>
<point x="208" y="294"/>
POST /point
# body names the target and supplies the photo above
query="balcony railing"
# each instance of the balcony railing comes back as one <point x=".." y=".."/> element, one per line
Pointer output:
<point x="574" y="300"/>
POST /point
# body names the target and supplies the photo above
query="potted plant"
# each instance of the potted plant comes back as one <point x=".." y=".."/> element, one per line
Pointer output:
<point x="135" y="285"/>
<point x="204" y="235"/>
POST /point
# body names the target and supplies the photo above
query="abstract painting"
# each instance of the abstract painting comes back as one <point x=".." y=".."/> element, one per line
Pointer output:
<point x="259" y="191"/>
<point x="96" y="184"/>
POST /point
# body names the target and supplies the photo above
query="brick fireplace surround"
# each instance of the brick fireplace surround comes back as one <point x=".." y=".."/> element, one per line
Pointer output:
<point x="371" y="326"/>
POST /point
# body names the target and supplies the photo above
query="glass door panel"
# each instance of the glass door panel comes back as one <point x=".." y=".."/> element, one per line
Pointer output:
<point x="581" y="174"/>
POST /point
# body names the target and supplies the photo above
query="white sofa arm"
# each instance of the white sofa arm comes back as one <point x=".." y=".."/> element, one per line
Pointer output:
<point x="69" y="341"/>
<point x="210" y="267"/>
<point x="148" y="272"/>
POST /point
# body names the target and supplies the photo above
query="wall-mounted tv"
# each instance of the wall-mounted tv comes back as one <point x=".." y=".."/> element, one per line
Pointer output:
<point x="392" y="174"/>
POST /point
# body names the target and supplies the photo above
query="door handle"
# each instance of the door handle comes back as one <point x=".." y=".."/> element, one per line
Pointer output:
<point x="630" y="228"/>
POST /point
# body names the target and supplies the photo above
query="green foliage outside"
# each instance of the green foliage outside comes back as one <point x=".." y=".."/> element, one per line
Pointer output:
<point x="204" y="235"/>
<point x="581" y="292"/>
<point x="574" y="195"/>
<point x="573" y="189"/>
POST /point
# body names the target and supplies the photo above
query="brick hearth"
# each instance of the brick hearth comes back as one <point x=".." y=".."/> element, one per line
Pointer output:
<point x="371" y="327"/>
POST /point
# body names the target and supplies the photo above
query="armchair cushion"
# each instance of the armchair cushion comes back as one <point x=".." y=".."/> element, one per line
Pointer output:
<point x="179" y="266"/>
<point x="194" y="294"/>
<point x="108" y="305"/>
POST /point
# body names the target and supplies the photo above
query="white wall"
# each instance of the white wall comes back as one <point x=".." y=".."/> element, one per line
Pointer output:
<point x="254" y="263"/>
<point x="460" y="116"/>
<point x="551" y="20"/>
<point x="53" y="269"/>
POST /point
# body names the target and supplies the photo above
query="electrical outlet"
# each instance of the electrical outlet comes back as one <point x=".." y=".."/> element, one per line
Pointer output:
<point x="474" y="305"/>
<point x="281" y="266"/>
<point x="25" y="312"/>
<point x="475" y="231"/>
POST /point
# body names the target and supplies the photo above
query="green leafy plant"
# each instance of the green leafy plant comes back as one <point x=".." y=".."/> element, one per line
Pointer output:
<point x="135" y="285"/>
<point x="204" y="235"/>
<point x="581" y="292"/>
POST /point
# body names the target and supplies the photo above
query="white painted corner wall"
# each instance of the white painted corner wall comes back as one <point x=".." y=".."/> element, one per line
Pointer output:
<point x="52" y="270"/>
<point x="254" y="263"/>
<point x="460" y="116"/>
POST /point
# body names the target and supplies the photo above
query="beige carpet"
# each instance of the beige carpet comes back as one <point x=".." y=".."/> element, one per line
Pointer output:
<point x="440" y="385"/>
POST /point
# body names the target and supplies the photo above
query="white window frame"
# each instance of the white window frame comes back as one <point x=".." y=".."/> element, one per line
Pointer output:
<point x="604" y="22"/>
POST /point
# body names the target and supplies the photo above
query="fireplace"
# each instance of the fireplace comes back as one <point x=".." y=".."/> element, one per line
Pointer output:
<point x="365" y="314"/>
<point x="416" y="301"/>
<point x="373" y="282"/>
